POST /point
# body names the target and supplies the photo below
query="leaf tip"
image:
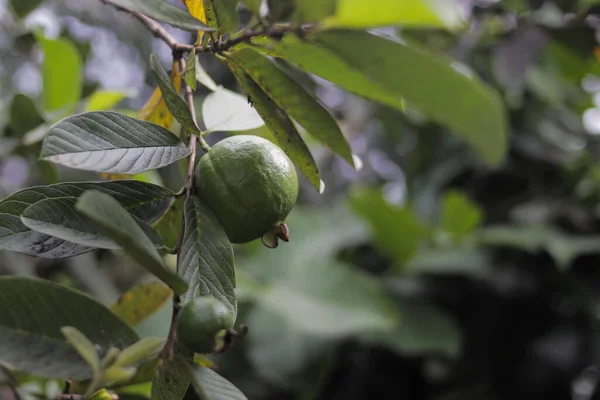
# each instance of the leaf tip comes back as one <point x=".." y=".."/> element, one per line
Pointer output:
<point x="358" y="164"/>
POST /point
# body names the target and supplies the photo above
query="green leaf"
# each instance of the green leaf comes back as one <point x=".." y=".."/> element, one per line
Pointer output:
<point x="119" y="225"/>
<point x="104" y="100"/>
<point x="24" y="115"/>
<point x="459" y="215"/>
<point x="169" y="225"/>
<point x="294" y="100"/>
<point x="138" y="303"/>
<point x="142" y="350"/>
<point x="282" y="128"/>
<point x="473" y="110"/>
<point x="397" y="231"/>
<point x="305" y="284"/>
<point x="84" y="347"/>
<point x="144" y="200"/>
<point x="173" y="100"/>
<point x="206" y="256"/>
<point x="317" y="59"/>
<point x="170" y="382"/>
<point x="32" y="313"/>
<point x="58" y="217"/>
<point x="164" y="11"/>
<point x="106" y="141"/>
<point x="209" y="385"/>
<point x="314" y="10"/>
<point x="61" y="74"/>
<point x="362" y="14"/>
<point x="423" y="328"/>
<point x="222" y="14"/>
<point x="189" y="75"/>
<point x="23" y="7"/>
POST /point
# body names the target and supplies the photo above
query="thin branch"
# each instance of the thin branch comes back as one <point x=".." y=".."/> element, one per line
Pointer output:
<point x="216" y="46"/>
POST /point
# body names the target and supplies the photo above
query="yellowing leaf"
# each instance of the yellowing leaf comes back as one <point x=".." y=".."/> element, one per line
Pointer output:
<point x="155" y="110"/>
<point x="196" y="8"/>
<point x="141" y="301"/>
<point x="113" y="177"/>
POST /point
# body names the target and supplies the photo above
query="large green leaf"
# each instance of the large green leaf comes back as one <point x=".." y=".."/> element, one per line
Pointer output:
<point x="222" y="14"/>
<point x="57" y="217"/>
<point x="164" y="11"/>
<point x="61" y="74"/>
<point x="294" y="100"/>
<point x="206" y="257"/>
<point x="363" y="14"/>
<point x="173" y="100"/>
<point x="106" y="141"/>
<point x="313" y="10"/>
<point x="209" y="385"/>
<point x="308" y="288"/>
<point x="170" y="382"/>
<point x="388" y="71"/>
<point x="141" y="301"/>
<point x="282" y="128"/>
<point x="144" y="200"/>
<point x="32" y="313"/>
<point x="115" y="222"/>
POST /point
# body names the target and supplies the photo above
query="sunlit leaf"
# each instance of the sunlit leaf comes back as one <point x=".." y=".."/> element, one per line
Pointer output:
<point x="388" y="71"/>
<point x="362" y="14"/>
<point x="62" y="75"/>
<point x="196" y="8"/>
<point x="104" y="100"/>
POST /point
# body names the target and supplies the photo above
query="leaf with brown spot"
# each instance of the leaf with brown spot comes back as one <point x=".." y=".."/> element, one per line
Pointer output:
<point x="138" y="303"/>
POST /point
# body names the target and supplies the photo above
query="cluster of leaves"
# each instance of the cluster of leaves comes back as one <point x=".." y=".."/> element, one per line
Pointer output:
<point x="47" y="332"/>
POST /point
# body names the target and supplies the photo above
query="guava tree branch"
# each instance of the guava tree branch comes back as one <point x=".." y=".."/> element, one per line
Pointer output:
<point x="216" y="46"/>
